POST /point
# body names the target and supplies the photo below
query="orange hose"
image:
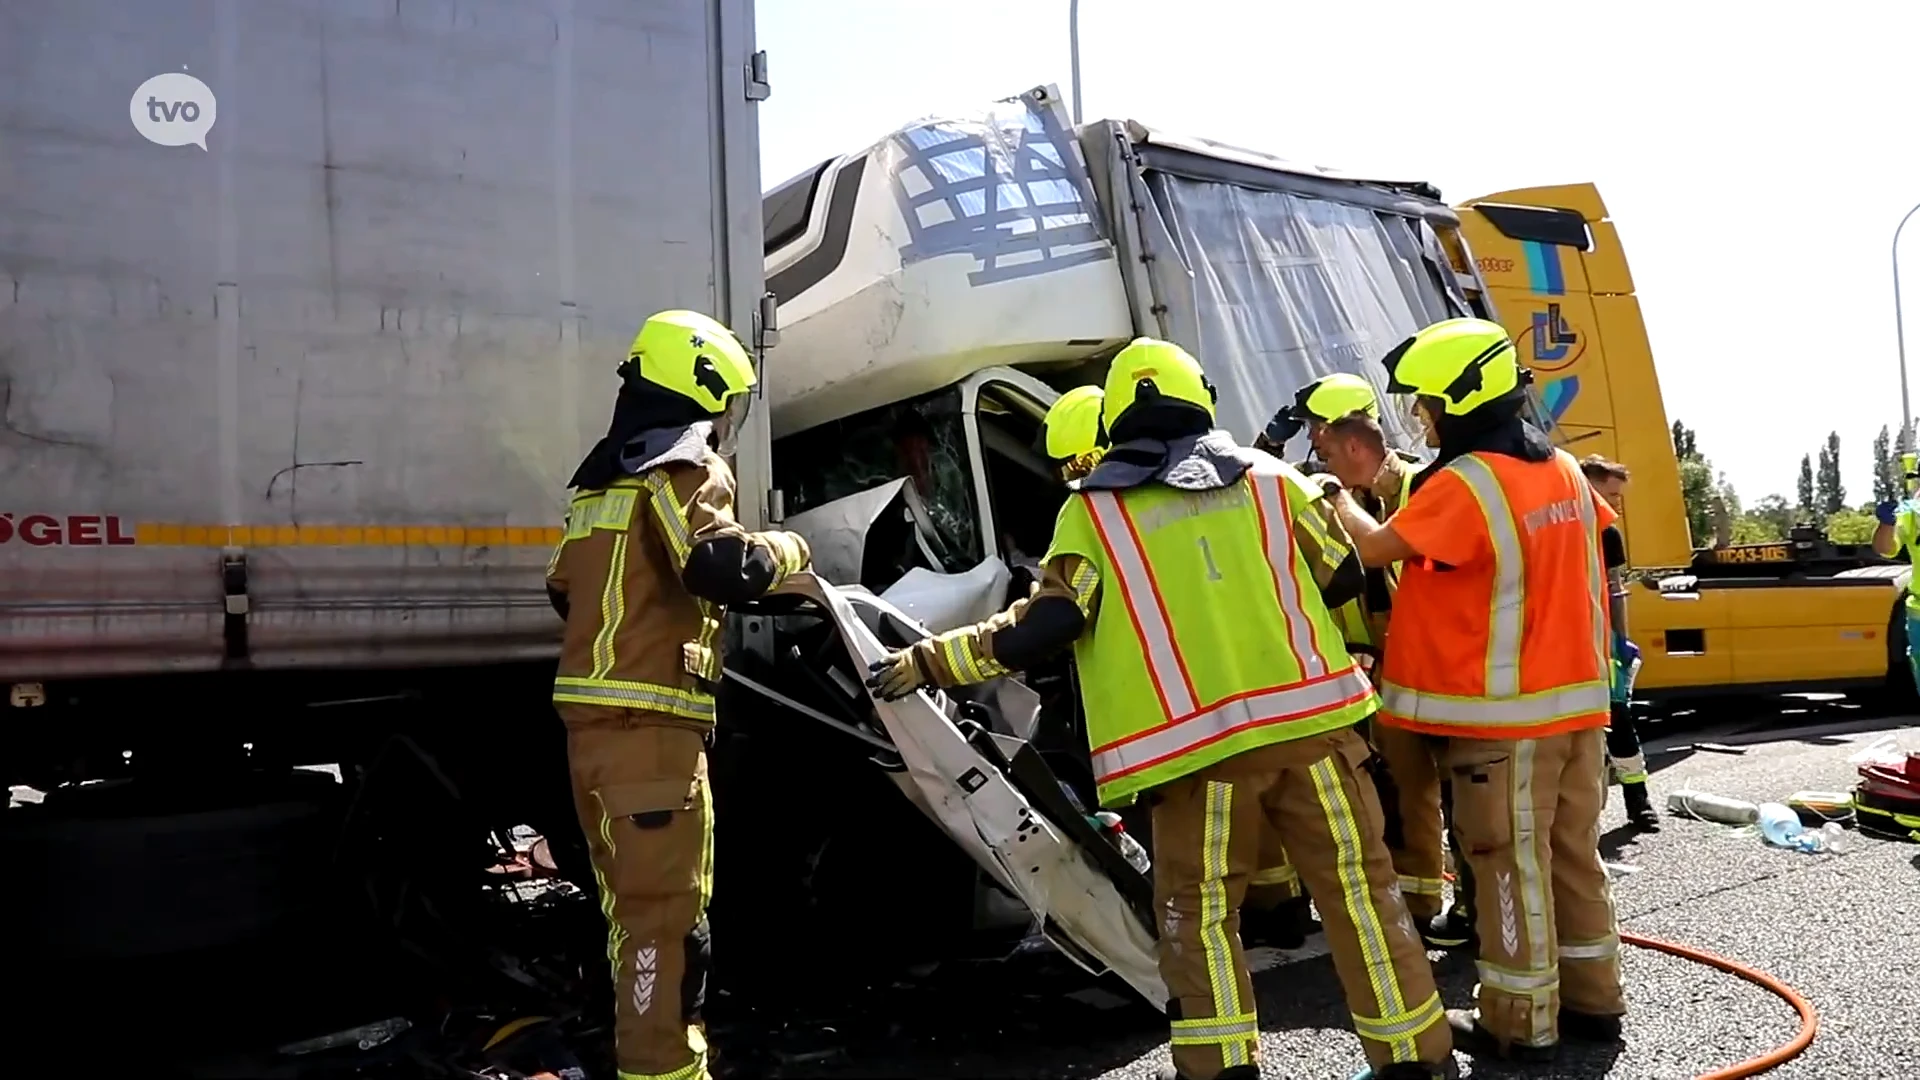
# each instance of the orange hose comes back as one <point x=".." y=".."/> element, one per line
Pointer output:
<point x="1772" y="1059"/>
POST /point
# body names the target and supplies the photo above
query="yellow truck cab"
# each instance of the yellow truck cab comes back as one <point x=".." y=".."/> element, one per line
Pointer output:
<point x="1800" y="614"/>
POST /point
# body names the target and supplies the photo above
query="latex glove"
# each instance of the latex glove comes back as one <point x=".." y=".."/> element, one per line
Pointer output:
<point x="1885" y="511"/>
<point x="896" y="675"/>
<point x="1627" y="651"/>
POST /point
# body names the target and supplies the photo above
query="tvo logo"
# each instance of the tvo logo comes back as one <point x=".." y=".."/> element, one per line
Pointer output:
<point x="174" y="109"/>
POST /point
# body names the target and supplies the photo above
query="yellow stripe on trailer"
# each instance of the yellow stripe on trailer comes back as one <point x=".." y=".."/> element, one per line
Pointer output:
<point x="171" y="534"/>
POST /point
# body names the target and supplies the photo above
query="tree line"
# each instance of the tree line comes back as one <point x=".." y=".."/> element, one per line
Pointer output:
<point x="1820" y="498"/>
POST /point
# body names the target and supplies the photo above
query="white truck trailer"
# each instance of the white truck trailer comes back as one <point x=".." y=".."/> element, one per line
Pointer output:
<point x="286" y="415"/>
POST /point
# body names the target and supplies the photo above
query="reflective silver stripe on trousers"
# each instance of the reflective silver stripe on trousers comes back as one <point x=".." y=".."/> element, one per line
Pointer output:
<point x="1605" y="948"/>
<point x="1270" y="494"/>
<point x="1517" y="712"/>
<point x="1156" y="637"/>
<point x="1518" y="983"/>
<point x="1226" y="718"/>
<point x="1533" y="879"/>
<point x="1509" y="577"/>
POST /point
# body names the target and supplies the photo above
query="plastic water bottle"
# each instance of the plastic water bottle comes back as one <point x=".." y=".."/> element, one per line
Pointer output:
<point x="1782" y="828"/>
<point x="1780" y="825"/>
<point x="1130" y="849"/>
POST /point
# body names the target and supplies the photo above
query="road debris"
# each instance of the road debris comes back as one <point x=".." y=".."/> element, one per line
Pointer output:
<point x="364" y="1037"/>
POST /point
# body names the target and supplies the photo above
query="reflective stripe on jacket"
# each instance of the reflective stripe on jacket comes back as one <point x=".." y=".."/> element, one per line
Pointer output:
<point x="635" y="637"/>
<point x="1212" y="638"/>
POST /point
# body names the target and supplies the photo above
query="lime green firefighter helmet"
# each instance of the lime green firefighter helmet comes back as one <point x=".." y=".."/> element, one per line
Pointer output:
<point x="694" y="356"/>
<point x="1466" y="363"/>
<point x="1153" y="372"/>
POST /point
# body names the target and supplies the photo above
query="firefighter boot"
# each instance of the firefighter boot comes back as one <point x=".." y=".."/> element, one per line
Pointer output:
<point x="1406" y="1070"/>
<point x="1474" y="1040"/>
<point x="1276" y="913"/>
<point x="1640" y="812"/>
<point x="1588" y="1027"/>
<point x="1454" y="928"/>
<point x="1451" y="929"/>
<point x="1283" y="926"/>
<point x="1238" y="1072"/>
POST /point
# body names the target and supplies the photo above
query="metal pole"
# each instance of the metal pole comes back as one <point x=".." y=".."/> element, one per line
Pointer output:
<point x="1073" y="48"/>
<point x="1899" y="330"/>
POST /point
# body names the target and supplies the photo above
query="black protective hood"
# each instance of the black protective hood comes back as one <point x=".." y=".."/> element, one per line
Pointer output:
<point x="1201" y="462"/>
<point x="649" y="418"/>
<point x="1494" y="428"/>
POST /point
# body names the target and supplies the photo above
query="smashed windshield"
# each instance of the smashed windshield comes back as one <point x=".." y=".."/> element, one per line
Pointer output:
<point x="922" y="439"/>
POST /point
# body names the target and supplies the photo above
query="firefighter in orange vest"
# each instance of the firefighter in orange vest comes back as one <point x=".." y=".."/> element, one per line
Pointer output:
<point x="650" y="555"/>
<point x="1502" y="653"/>
<point x="1187" y="573"/>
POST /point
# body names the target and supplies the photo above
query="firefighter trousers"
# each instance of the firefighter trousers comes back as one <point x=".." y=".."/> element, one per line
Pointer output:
<point x="1207" y="834"/>
<point x="1416" y="831"/>
<point x="1913" y="644"/>
<point x="1276" y="881"/>
<point x="1623" y="746"/>
<point x="1624" y="758"/>
<point x="640" y="786"/>
<point x="1528" y="812"/>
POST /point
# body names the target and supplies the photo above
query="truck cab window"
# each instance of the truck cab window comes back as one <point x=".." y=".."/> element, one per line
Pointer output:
<point x="921" y="439"/>
<point x="1023" y="490"/>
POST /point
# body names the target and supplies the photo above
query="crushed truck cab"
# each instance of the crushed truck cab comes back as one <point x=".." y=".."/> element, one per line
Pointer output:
<point x="937" y="290"/>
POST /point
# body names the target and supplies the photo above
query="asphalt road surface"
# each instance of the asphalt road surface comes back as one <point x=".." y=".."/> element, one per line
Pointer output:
<point x="1844" y="930"/>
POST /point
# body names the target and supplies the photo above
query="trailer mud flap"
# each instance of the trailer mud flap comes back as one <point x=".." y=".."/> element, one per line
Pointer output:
<point x="976" y="804"/>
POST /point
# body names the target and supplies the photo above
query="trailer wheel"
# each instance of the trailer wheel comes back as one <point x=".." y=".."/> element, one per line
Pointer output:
<point x="126" y="871"/>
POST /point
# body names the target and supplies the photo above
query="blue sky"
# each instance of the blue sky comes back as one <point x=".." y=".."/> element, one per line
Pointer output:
<point x="1756" y="161"/>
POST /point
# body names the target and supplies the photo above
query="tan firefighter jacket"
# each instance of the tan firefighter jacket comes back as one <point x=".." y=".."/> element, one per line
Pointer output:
<point x="641" y="577"/>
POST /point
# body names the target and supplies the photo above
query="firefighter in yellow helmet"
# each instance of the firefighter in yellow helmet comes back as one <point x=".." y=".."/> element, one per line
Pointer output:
<point x="1071" y="431"/>
<point x="651" y="555"/>
<point x="1315" y="408"/>
<point x="1276" y="912"/>
<point x="1188" y="573"/>
<point x="1276" y="906"/>
<point x="1341" y="414"/>
<point x="1501" y="656"/>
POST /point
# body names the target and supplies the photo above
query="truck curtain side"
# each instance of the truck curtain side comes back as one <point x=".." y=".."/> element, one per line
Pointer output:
<point x="1793" y="616"/>
<point x="306" y="400"/>
<point x="286" y="423"/>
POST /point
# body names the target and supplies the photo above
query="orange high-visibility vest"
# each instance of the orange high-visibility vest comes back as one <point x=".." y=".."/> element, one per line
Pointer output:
<point x="1513" y="646"/>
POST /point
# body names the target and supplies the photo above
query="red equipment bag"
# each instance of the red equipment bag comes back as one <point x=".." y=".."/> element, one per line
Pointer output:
<point x="1887" y="799"/>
